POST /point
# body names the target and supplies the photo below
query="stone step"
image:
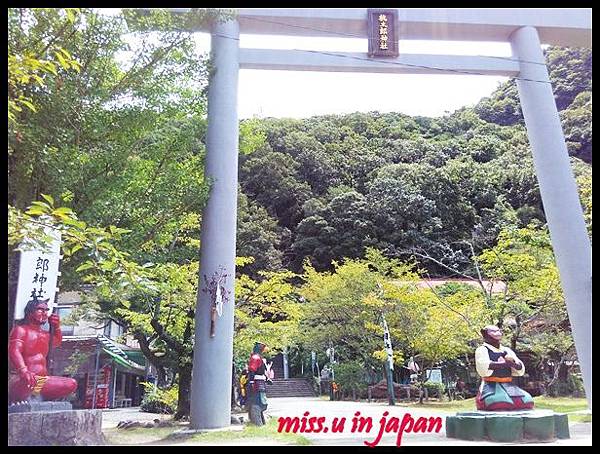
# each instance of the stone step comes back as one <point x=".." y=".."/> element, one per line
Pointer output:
<point x="291" y="387"/>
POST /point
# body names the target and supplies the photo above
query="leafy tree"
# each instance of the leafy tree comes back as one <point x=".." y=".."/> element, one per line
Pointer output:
<point x="93" y="247"/>
<point x="29" y="67"/>
<point x="334" y="313"/>
<point x="258" y="236"/>
<point x="267" y="311"/>
<point x="341" y="229"/>
<point x="122" y="142"/>
<point x="577" y="125"/>
<point x="350" y="376"/>
<point x="570" y="71"/>
<point x="532" y="306"/>
<point x="345" y="308"/>
<point x="270" y="179"/>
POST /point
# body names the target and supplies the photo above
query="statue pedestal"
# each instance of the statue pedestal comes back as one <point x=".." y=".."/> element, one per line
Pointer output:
<point x="508" y="426"/>
<point x="55" y="428"/>
<point x="32" y="405"/>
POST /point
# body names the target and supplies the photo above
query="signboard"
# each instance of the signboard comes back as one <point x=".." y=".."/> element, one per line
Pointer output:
<point x="434" y="375"/>
<point x="382" y="31"/>
<point x="38" y="274"/>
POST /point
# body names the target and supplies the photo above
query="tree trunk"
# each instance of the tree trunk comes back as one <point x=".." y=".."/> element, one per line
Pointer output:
<point x="555" y="374"/>
<point x="234" y="385"/>
<point x="183" y="395"/>
<point x="13" y="279"/>
<point x="422" y="377"/>
<point x="157" y="362"/>
<point x="185" y="375"/>
<point x="516" y="333"/>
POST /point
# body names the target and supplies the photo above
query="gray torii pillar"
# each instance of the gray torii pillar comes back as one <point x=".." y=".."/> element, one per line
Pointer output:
<point x="212" y="374"/>
<point x="558" y="189"/>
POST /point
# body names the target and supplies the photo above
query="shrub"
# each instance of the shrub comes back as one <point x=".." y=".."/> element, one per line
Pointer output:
<point x="572" y="387"/>
<point x="158" y="400"/>
<point x="350" y="376"/>
<point x="435" y="388"/>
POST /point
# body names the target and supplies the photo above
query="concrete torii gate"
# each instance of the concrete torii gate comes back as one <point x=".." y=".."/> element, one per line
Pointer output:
<point x="525" y="29"/>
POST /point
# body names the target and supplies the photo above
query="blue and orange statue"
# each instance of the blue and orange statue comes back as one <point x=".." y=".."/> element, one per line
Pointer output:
<point x="497" y="365"/>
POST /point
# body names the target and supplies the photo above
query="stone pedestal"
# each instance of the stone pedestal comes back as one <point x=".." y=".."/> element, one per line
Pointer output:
<point x="55" y="428"/>
<point x="508" y="426"/>
<point x="32" y="405"/>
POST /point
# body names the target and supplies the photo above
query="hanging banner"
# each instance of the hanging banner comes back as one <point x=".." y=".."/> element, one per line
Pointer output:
<point x="387" y="342"/>
<point x="38" y="274"/>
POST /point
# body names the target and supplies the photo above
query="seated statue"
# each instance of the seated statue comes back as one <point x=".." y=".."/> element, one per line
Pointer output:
<point x="28" y="348"/>
<point x="497" y="364"/>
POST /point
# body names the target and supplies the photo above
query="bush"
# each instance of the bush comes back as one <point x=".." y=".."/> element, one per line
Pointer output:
<point x="435" y="388"/>
<point x="572" y="387"/>
<point x="158" y="400"/>
<point x="350" y="377"/>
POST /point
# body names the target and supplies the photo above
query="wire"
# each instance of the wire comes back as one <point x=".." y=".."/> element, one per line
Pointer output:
<point x="353" y="57"/>
<point x="471" y="73"/>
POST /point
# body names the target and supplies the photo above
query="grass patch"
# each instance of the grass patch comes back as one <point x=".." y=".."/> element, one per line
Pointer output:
<point x="268" y="431"/>
<point x="580" y="418"/>
<point x="443" y="405"/>
<point x="558" y="404"/>
<point x="164" y="436"/>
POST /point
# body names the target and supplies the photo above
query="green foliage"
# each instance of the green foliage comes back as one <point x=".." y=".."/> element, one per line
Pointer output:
<point x="258" y="236"/>
<point x="94" y="248"/>
<point x="266" y="311"/>
<point x="158" y="400"/>
<point x="350" y="377"/>
<point x="30" y="68"/>
<point x="343" y="309"/>
<point x="76" y="359"/>
<point x="533" y="304"/>
<point x="146" y="175"/>
<point x="570" y="71"/>
<point x="334" y="313"/>
<point x="435" y="388"/>
<point x="252" y="136"/>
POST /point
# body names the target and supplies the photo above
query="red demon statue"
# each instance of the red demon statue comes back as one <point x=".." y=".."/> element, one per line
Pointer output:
<point x="27" y="350"/>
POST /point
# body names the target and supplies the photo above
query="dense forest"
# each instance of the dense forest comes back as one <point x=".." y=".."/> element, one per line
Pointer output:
<point x="336" y="213"/>
<point x="427" y="188"/>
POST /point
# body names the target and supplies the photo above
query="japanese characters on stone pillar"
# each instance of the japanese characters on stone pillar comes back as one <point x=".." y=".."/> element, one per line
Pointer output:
<point x="38" y="273"/>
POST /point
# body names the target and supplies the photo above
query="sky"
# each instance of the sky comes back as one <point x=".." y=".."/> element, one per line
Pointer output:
<point x="302" y="94"/>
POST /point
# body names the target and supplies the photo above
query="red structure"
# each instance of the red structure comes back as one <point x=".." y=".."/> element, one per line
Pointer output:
<point x="27" y="349"/>
<point x="102" y="383"/>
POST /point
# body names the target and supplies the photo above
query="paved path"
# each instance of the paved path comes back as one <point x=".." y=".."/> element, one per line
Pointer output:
<point x="111" y="417"/>
<point x="580" y="433"/>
